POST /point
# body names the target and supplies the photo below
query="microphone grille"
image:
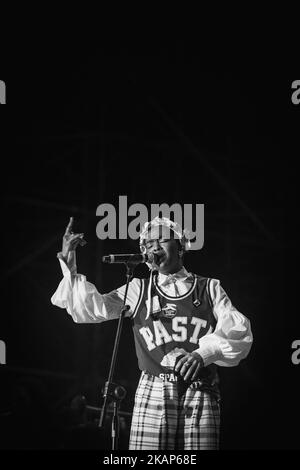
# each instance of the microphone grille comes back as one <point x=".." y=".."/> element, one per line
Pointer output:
<point x="149" y="258"/>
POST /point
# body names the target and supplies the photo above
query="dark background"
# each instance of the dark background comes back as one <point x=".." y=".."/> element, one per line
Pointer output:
<point x="158" y="123"/>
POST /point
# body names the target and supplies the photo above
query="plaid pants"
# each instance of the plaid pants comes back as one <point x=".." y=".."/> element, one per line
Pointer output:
<point x="163" y="419"/>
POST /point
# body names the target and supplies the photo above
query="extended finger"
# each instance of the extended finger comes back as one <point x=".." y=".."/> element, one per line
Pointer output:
<point x="188" y="371"/>
<point x="180" y="363"/>
<point x="196" y="371"/>
<point x="69" y="226"/>
<point x="186" y="365"/>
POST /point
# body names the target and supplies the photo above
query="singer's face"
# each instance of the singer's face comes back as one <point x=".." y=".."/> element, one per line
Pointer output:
<point x="165" y="248"/>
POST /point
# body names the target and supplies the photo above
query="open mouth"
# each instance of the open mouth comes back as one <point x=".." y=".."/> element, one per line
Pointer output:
<point x="159" y="257"/>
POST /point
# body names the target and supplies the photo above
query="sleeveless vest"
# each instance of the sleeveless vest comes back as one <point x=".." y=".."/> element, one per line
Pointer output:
<point x="174" y="324"/>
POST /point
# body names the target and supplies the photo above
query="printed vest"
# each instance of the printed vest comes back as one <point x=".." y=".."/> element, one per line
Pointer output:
<point x="175" y="323"/>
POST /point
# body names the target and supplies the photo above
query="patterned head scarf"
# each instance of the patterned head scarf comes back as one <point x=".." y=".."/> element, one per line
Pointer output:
<point x="181" y="235"/>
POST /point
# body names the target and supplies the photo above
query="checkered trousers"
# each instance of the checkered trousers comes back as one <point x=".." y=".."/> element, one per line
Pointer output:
<point x="164" y="419"/>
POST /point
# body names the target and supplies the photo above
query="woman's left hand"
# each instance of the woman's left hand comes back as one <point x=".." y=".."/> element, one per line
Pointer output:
<point x="189" y="365"/>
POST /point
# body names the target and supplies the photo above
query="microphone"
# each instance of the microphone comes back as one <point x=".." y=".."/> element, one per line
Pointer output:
<point x="127" y="258"/>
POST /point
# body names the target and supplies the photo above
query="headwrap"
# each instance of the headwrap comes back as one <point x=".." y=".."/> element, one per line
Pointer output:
<point x="182" y="235"/>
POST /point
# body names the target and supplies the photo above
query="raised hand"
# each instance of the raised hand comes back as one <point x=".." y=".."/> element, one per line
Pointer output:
<point x="71" y="240"/>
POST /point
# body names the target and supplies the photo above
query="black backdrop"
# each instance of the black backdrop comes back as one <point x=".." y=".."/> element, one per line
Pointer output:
<point x="158" y="124"/>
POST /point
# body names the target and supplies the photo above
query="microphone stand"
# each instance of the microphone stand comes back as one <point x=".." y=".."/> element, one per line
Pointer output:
<point x="112" y="390"/>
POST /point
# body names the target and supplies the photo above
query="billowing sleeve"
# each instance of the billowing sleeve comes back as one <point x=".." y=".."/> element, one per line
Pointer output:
<point x="82" y="300"/>
<point x="232" y="338"/>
